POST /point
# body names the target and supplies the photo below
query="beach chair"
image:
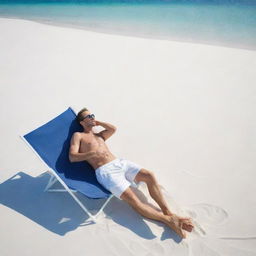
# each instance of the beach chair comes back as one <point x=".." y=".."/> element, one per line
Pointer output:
<point x="50" y="142"/>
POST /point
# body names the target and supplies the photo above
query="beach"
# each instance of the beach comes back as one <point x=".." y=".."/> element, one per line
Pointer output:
<point x="183" y="110"/>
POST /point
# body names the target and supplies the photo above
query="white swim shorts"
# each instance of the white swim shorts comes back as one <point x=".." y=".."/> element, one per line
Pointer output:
<point x="117" y="175"/>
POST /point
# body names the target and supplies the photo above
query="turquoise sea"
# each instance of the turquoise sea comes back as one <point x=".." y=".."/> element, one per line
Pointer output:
<point x="229" y="23"/>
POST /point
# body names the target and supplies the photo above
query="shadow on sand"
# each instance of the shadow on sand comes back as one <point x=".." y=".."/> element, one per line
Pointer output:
<point x="59" y="213"/>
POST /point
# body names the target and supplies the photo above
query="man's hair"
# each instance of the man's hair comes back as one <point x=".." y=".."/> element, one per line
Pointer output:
<point x="79" y="116"/>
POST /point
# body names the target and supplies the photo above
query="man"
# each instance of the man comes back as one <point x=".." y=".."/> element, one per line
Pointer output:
<point x="116" y="174"/>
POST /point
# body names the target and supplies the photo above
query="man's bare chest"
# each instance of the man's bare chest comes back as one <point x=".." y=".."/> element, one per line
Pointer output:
<point x="90" y="143"/>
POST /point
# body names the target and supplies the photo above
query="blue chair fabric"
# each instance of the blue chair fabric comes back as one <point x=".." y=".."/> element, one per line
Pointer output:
<point x="51" y="141"/>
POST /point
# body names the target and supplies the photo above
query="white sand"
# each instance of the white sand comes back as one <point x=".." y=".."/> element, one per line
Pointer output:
<point x="185" y="111"/>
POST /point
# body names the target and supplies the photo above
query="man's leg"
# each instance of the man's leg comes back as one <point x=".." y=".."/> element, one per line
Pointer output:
<point x="155" y="192"/>
<point x="174" y="222"/>
<point x="153" y="188"/>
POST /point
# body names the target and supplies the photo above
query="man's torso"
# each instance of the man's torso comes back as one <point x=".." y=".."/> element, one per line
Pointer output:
<point x="93" y="142"/>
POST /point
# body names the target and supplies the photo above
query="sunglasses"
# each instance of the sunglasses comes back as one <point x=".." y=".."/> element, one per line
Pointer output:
<point x="90" y="116"/>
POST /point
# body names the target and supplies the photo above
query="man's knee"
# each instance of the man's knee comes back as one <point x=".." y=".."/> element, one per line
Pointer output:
<point x="145" y="176"/>
<point x="130" y="197"/>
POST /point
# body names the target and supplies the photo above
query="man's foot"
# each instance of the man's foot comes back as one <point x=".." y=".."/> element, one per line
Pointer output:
<point x="175" y="224"/>
<point x="186" y="223"/>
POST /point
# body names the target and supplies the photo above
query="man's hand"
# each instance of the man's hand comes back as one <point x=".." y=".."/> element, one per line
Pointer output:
<point x="97" y="122"/>
<point x="107" y="126"/>
<point x="94" y="122"/>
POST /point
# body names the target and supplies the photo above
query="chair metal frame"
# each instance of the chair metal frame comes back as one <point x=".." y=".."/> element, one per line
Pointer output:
<point x="54" y="177"/>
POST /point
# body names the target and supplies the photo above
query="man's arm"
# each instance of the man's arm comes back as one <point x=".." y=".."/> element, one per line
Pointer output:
<point x="74" y="155"/>
<point x="109" y="130"/>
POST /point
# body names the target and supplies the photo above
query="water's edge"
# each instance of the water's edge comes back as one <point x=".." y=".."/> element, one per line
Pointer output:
<point x="145" y="36"/>
<point x="232" y="25"/>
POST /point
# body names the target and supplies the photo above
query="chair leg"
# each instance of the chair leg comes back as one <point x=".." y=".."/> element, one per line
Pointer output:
<point x="103" y="206"/>
<point x="53" y="179"/>
<point x="95" y="216"/>
<point x="50" y="182"/>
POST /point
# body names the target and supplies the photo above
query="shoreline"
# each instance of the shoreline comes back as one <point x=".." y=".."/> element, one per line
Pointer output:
<point x="133" y="34"/>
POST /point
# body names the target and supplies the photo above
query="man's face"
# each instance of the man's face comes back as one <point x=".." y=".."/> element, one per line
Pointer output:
<point x="88" y="121"/>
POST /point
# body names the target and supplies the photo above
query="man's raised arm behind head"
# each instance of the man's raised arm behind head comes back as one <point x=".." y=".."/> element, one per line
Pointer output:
<point x="109" y="130"/>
